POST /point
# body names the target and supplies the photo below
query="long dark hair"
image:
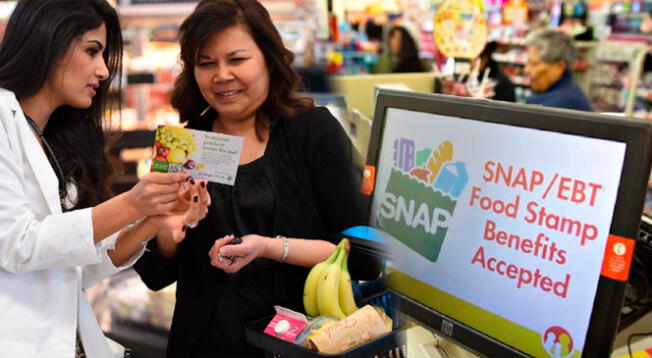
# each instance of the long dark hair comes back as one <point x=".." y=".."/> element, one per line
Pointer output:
<point x="38" y="34"/>
<point x="212" y="16"/>
<point x="408" y="58"/>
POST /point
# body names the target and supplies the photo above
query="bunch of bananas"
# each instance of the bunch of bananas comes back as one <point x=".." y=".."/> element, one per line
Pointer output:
<point x="328" y="289"/>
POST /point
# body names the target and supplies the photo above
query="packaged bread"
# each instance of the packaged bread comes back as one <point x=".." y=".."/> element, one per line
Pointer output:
<point x="359" y="327"/>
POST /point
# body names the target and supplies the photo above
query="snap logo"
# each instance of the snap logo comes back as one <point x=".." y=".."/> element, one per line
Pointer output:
<point x="421" y="196"/>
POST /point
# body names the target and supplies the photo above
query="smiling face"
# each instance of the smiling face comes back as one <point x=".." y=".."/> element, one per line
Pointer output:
<point x="80" y="70"/>
<point x="232" y="74"/>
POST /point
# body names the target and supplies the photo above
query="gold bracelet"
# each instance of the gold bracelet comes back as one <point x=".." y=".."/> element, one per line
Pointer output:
<point x="286" y="248"/>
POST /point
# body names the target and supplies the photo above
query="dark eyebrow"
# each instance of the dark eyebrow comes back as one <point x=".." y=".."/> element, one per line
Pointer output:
<point x="99" y="44"/>
<point x="232" y="53"/>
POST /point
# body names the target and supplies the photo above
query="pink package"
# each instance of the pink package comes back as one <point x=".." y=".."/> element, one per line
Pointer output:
<point x="286" y="324"/>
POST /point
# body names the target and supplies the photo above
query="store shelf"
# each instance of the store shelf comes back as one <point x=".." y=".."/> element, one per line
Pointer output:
<point x="581" y="66"/>
<point x="645" y="95"/>
<point x="512" y="42"/>
<point x="631" y="37"/>
<point x="359" y="54"/>
<point x="585" y="45"/>
<point x="510" y="57"/>
<point x="511" y="62"/>
<point x="608" y="85"/>
<point x="135" y="139"/>
<point x="156" y="10"/>
<point x="140" y="78"/>
<point x="612" y="60"/>
<point x="184" y="9"/>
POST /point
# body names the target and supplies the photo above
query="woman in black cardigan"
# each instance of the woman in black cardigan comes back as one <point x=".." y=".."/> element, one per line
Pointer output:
<point x="296" y="186"/>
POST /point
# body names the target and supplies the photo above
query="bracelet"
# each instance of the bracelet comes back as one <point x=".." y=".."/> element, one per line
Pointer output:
<point x="286" y="248"/>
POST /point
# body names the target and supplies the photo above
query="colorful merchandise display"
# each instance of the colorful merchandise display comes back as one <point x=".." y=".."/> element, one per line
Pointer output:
<point x="460" y="28"/>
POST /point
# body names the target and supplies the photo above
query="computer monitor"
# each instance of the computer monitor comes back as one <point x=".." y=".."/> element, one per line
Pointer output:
<point x="510" y="227"/>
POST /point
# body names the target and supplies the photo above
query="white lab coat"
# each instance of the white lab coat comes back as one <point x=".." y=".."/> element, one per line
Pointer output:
<point x="46" y="257"/>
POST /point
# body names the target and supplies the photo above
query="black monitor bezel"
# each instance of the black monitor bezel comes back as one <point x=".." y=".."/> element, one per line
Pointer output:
<point x="629" y="202"/>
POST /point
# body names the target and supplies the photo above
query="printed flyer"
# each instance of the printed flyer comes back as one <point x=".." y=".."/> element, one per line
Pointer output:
<point x="507" y="236"/>
<point x="204" y="155"/>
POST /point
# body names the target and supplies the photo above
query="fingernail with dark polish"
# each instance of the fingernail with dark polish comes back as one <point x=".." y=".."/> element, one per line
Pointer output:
<point x="184" y="228"/>
<point x="203" y="184"/>
<point x="195" y="198"/>
<point x="192" y="181"/>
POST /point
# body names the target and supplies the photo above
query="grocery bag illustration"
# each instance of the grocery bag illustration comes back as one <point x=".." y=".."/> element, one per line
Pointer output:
<point x="421" y="196"/>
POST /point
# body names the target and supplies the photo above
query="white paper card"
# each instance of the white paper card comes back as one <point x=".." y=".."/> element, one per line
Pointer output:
<point x="204" y="155"/>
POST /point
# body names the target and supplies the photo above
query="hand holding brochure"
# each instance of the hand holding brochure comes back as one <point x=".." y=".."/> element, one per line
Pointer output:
<point x="204" y="155"/>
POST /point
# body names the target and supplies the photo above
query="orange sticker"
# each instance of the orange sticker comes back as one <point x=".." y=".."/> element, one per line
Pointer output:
<point x="368" y="180"/>
<point x="618" y="258"/>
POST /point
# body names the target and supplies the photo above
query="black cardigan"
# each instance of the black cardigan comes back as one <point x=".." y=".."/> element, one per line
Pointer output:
<point x="317" y="196"/>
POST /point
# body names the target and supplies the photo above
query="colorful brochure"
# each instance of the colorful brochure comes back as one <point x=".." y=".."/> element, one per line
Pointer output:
<point x="204" y="155"/>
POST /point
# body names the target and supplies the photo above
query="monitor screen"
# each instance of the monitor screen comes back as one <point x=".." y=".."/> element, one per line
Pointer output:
<point x="513" y="225"/>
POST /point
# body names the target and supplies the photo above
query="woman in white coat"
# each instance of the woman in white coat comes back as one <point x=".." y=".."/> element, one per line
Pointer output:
<point x="60" y="229"/>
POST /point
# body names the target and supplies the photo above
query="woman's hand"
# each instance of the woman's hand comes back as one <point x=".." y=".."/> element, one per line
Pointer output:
<point x="171" y="227"/>
<point x="232" y="258"/>
<point x="189" y="191"/>
<point x="191" y="207"/>
<point x="156" y="193"/>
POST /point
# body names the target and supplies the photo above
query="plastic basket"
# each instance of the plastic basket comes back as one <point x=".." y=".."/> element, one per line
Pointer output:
<point x="391" y="345"/>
